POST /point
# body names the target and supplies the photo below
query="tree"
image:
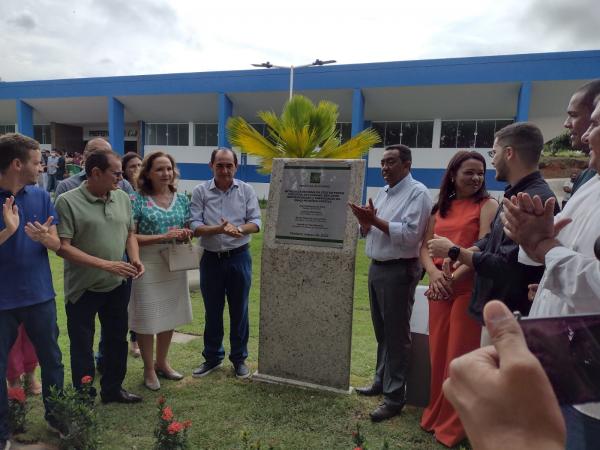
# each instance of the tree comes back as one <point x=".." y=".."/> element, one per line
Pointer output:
<point x="303" y="131"/>
<point x="559" y="143"/>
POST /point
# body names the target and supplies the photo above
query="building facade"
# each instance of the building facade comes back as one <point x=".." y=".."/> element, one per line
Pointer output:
<point x="434" y="106"/>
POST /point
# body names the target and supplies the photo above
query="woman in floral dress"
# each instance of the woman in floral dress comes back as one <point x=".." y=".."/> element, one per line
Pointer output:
<point x="160" y="300"/>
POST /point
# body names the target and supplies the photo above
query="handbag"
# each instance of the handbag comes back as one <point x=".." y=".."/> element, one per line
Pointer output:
<point x="182" y="256"/>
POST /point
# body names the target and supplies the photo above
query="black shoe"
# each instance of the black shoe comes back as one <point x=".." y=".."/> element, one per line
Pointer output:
<point x="369" y="391"/>
<point x="241" y="370"/>
<point x="121" y="397"/>
<point x="205" y="368"/>
<point x="384" y="412"/>
<point x="4" y="444"/>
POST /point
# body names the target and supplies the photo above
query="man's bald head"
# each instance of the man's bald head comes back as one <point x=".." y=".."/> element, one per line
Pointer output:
<point x="95" y="144"/>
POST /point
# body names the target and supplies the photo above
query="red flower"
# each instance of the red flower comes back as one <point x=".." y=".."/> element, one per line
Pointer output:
<point x="17" y="394"/>
<point x="167" y="413"/>
<point x="175" y="427"/>
<point x="86" y="379"/>
<point x="161" y="400"/>
<point x="187" y="424"/>
<point x="357" y="448"/>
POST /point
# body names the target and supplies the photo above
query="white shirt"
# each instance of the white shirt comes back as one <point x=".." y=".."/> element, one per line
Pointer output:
<point x="564" y="288"/>
<point x="52" y="164"/>
<point x="571" y="281"/>
<point x="407" y="207"/>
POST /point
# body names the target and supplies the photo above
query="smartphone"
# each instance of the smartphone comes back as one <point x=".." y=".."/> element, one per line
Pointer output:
<point x="569" y="349"/>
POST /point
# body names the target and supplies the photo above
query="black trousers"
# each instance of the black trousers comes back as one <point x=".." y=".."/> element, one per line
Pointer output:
<point x="111" y="308"/>
<point x="392" y="295"/>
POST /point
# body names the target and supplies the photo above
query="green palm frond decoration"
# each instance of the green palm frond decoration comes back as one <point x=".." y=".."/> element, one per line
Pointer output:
<point x="302" y="131"/>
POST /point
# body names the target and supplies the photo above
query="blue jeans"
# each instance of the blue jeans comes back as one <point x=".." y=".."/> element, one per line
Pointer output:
<point x="583" y="432"/>
<point x="111" y="308"/>
<point x="231" y="277"/>
<point x="52" y="183"/>
<point x="40" y="324"/>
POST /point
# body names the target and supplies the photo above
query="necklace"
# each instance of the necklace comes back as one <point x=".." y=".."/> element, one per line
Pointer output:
<point x="164" y="201"/>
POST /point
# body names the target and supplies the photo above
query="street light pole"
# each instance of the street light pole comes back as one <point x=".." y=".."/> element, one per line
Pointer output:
<point x="316" y="62"/>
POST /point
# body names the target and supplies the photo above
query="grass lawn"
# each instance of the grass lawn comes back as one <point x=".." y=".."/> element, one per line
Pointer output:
<point x="222" y="407"/>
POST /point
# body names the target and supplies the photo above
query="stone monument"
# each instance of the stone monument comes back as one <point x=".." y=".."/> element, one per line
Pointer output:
<point x="307" y="273"/>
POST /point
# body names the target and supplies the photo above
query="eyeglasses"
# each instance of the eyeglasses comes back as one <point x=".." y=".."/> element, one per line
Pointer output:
<point x="493" y="152"/>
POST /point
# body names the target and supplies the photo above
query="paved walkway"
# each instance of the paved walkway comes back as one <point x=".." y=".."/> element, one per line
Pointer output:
<point x="183" y="338"/>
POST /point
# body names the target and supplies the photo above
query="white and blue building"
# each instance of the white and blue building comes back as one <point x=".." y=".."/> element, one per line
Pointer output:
<point x="436" y="107"/>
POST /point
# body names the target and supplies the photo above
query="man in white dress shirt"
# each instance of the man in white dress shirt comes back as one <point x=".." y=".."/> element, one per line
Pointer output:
<point x="571" y="281"/>
<point x="394" y="225"/>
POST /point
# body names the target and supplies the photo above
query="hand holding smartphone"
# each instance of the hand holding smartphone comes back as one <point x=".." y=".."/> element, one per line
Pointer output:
<point x="568" y="347"/>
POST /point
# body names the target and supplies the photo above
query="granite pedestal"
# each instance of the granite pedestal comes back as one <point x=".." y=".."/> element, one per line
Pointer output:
<point x="307" y="289"/>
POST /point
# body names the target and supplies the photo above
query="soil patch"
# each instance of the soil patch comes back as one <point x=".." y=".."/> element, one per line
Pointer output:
<point x="556" y="167"/>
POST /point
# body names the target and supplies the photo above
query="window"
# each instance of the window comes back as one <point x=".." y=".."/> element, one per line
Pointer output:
<point x="392" y="133"/>
<point x="41" y="133"/>
<point x="206" y="134"/>
<point x="470" y="133"/>
<point x="344" y="130"/>
<point x="415" y="134"/>
<point x="465" y="134"/>
<point x="260" y="127"/>
<point x="448" y="134"/>
<point x="175" y="134"/>
<point x="425" y="135"/>
<point x="379" y="127"/>
<point x="502" y="123"/>
<point x="6" y="129"/>
<point x="485" y="134"/>
<point x="409" y="134"/>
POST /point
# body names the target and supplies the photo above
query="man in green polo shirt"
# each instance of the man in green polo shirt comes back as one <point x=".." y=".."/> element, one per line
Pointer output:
<point x="96" y="227"/>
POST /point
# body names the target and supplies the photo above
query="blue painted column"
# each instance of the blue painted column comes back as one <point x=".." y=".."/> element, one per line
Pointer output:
<point x="358" y="125"/>
<point x="24" y="118"/>
<point x="366" y="158"/>
<point x="116" y="125"/>
<point x="358" y="112"/>
<point x="524" y="102"/>
<point x="225" y="109"/>
<point x="142" y="139"/>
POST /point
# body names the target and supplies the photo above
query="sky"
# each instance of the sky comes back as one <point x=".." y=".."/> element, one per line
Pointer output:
<point x="50" y="39"/>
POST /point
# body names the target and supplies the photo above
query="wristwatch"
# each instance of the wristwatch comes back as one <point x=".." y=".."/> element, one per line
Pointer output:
<point x="239" y="228"/>
<point x="454" y="252"/>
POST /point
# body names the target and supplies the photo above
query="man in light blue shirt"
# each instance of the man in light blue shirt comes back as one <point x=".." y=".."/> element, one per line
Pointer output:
<point x="394" y="225"/>
<point x="225" y="212"/>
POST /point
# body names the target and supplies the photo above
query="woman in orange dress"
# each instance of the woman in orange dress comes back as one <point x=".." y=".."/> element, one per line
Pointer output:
<point x="463" y="213"/>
